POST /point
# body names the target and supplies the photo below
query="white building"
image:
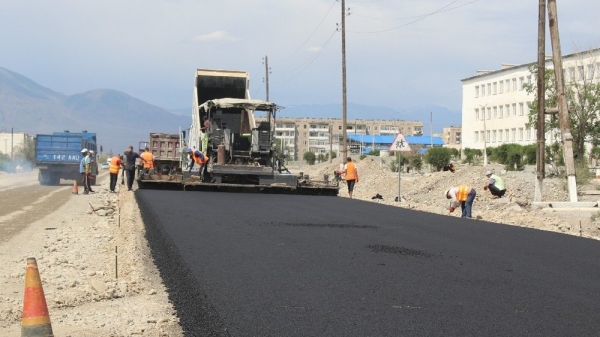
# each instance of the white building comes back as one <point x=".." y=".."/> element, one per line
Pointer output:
<point x="496" y="106"/>
<point x="11" y="143"/>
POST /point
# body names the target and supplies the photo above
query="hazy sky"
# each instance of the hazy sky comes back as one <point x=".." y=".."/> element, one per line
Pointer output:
<point x="400" y="53"/>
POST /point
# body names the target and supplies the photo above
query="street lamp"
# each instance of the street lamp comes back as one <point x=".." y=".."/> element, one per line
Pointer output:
<point x="484" y="135"/>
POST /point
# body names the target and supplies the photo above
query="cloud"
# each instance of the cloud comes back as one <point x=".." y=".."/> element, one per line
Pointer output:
<point x="219" y="35"/>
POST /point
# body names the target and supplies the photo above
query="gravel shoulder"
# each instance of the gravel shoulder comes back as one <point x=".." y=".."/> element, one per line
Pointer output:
<point x="98" y="276"/>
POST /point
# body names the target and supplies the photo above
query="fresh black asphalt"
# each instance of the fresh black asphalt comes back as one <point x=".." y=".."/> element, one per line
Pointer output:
<point x="287" y="265"/>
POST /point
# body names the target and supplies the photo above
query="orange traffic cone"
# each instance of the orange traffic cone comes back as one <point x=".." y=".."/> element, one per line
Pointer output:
<point x="75" y="188"/>
<point x="35" y="321"/>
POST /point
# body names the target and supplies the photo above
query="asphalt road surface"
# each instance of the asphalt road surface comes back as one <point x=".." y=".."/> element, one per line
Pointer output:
<point x="279" y="265"/>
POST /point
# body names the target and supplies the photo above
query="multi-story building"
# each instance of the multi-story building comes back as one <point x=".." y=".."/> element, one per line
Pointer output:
<point x="495" y="108"/>
<point x="319" y="135"/>
<point x="452" y="137"/>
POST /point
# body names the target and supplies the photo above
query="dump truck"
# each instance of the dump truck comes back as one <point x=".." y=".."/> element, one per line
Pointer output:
<point x="168" y="158"/>
<point x="242" y="156"/>
<point x="57" y="156"/>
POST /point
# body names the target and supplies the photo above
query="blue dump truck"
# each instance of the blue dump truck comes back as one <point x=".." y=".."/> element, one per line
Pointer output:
<point x="57" y="156"/>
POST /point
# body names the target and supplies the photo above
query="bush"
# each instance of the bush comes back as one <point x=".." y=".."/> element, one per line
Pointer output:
<point x="530" y="153"/>
<point x="438" y="157"/>
<point x="333" y="154"/>
<point x="362" y="156"/>
<point x="502" y="152"/>
<point x="309" y="157"/>
<point x="513" y="158"/>
<point x="374" y="153"/>
<point x="471" y="154"/>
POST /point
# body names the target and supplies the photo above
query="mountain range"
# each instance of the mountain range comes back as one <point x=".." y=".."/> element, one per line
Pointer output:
<point x="120" y="120"/>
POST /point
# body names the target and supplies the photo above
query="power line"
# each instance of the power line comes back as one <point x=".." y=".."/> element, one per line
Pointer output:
<point x="313" y="33"/>
<point x="414" y="16"/>
<point x="311" y="59"/>
<point x="443" y="9"/>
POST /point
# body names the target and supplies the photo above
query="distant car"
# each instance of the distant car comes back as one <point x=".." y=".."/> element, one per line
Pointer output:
<point x="105" y="166"/>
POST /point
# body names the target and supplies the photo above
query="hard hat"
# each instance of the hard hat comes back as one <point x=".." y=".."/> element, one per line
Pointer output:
<point x="84" y="150"/>
<point x="188" y="150"/>
<point x="488" y="172"/>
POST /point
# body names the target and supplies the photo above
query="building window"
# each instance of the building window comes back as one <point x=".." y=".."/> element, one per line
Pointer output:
<point x="521" y="82"/>
<point x="487" y="136"/>
<point x="507" y="82"/>
<point x="590" y="71"/>
<point x="304" y="142"/>
<point x="476" y="114"/>
<point x="489" y="113"/>
<point x="476" y="91"/>
<point x="572" y="73"/>
<point x="500" y="135"/>
<point x="305" y="126"/>
<point x="521" y="109"/>
<point x="476" y="136"/>
<point x="489" y="89"/>
<point x="514" y="134"/>
<point x="375" y="128"/>
<point x="506" y="135"/>
<point x="500" y="111"/>
<point x="514" y="86"/>
<point x="501" y="87"/>
<point x="495" y="112"/>
<point x="580" y="73"/>
<point x="529" y="79"/>
<point x="528" y="134"/>
<point x="514" y="106"/>
<point x="339" y="127"/>
<point x="597" y="70"/>
<point x="520" y="134"/>
<point x="495" y="88"/>
<point x="494" y="136"/>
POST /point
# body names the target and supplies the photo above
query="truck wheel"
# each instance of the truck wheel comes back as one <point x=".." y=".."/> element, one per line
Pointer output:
<point x="43" y="177"/>
<point x="55" y="180"/>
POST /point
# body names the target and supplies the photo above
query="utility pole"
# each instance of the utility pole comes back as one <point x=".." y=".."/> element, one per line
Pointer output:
<point x="484" y="135"/>
<point x="541" y="101"/>
<point x="344" y="150"/>
<point x="563" y="109"/>
<point x="431" y="128"/>
<point x="267" y="76"/>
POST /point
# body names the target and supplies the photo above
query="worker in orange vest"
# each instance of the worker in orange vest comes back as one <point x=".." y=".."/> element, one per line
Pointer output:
<point x="462" y="195"/>
<point x="147" y="160"/>
<point x="351" y="175"/>
<point x="199" y="158"/>
<point x="116" y="163"/>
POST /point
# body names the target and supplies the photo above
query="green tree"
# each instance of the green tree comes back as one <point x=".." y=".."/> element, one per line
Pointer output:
<point x="309" y="157"/>
<point x="374" y="153"/>
<point x="583" y="100"/>
<point x="333" y="154"/>
<point x="438" y="157"/>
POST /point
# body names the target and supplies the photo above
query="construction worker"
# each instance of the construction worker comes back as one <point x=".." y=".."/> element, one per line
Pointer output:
<point x="351" y="175"/>
<point x="83" y="165"/>
<point x="116" y="163"/>
<point x="198" y="158"/>
<point x="130" y="157"/>
<point x="462" y="195"/>
<point x="495" y="184"/>
<point x="148" y="161"/>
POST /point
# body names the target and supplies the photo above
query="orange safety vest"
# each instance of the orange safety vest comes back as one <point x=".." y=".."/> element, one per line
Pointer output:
<point x="115" y="165"/>
<point x="200" y="160"/>
<point x="351" y="173"/>
<point x="463" y="192"/>
<point x="147" y="160"/>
